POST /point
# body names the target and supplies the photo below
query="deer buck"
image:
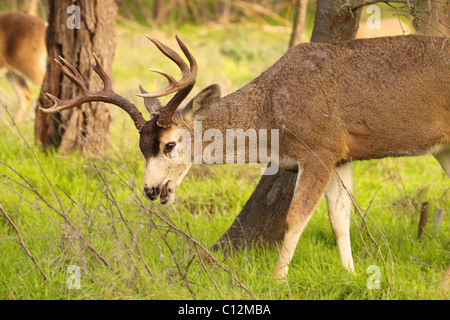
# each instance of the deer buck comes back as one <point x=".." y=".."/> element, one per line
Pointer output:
<point x="22" y="54"/>
<point x="332" y="104"/>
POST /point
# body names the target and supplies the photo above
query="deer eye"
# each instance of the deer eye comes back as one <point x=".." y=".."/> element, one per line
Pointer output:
<point x="169" y="147"/>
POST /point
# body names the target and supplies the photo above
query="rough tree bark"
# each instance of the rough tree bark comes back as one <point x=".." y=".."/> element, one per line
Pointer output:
<point x="335" y="21"/>
<point x="85" y="129"/>
<point x="262" y="220"/>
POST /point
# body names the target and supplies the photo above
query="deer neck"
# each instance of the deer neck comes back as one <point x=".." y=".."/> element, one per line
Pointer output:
<point x="239" y="131"/>
<point x="246" y="108"/>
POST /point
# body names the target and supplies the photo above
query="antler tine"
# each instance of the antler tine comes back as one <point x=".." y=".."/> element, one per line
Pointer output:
<point x="98" y="68"/>
<point x="170" y="53"/>
<point x="189" y="73"/>
<point x="188" y="55"/>
<point x="172" y="83"/>
<point x="107" y="94"/>
<point x="182" y="87"/>
<point x="75" y="76"/>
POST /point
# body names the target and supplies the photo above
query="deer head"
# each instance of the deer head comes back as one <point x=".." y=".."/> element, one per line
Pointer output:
<point x="158" y="139"/>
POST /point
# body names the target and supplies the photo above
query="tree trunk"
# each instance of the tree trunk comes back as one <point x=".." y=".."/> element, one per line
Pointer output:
<point x="299" y="22"/>
<point x="335" y="21"/>
<point x="262" y="220"/>
<point x="157" y="11"/>
<point x="87" y="128"/>
<point x="162" y="10"/>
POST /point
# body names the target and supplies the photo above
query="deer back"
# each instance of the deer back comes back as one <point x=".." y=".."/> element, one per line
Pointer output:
<point x="358" y="99"/>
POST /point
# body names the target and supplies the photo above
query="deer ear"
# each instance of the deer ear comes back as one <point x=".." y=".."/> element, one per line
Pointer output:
<point x="153" y="105"/>
<point x="203" y="104"/>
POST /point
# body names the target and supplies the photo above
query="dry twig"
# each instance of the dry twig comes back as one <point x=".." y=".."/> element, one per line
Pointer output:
<point x="22" y="243"/>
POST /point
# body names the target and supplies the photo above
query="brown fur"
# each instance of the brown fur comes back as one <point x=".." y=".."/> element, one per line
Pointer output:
<point x="332" y="104"/>
<point x="22" y="45"/>
<point x="335" y="103"/>
<point x="354" y="100"/>
<point x="22" y="42"/>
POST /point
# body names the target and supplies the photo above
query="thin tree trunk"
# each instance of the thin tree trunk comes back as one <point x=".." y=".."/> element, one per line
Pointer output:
<point x="32" y="7"/>
<point x="263" y="218"/>
<point x="223" y="12"/>
<point x="85" y="129"/>
<point x="157" y="11"/>
<point x="162" y="10"/>
<point x="261" y="221"/>
<point x="299" y="22"/>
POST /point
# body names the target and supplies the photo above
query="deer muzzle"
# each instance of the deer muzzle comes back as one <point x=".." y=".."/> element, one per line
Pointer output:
<point x="164" y="193"/>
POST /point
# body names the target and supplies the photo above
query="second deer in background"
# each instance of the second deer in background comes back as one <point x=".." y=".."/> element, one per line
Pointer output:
<point x="22" y="55"/>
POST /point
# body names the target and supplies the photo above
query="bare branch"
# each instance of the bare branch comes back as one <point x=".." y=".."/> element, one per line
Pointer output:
<point x="22" y="243"/>
<point x="367" y="3"/>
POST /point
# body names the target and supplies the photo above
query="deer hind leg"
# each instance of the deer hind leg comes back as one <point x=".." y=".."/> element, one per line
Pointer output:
<point x="443" y="156"/>
<point x="23" y="93"/>
<point x="339" y="208"/>
<point x="312" y="180"/>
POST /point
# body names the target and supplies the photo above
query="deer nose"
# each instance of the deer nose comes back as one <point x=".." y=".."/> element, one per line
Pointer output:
<point x="152" y="193"/>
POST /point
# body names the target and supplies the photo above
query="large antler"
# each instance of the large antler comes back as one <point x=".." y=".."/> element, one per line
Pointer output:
<point x="182" y="87"/>
<point x="107" y="94"/>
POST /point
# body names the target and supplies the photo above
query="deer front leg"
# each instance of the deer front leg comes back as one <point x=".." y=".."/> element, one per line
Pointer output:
<point x="339" y="207"/>
<point x="312" y="179"/>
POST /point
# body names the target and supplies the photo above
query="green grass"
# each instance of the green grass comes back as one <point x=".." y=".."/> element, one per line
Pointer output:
<point x="80" y="208"/>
